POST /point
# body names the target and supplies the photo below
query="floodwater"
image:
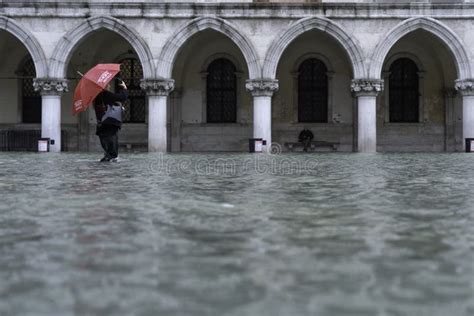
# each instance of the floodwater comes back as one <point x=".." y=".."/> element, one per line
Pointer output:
<point x="237" y="234"/>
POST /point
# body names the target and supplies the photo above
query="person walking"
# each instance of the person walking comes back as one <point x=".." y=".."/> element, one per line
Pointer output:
<point x="108" y="111"/>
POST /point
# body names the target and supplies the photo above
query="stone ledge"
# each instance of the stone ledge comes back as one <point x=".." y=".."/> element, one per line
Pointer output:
<point x="148" y="9"/>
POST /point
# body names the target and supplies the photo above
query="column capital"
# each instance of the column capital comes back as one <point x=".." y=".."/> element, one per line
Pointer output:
<point x="50" y="86"/>
<point x="367" y="87"/>
<point x="262" y="87"/>
<point x="161" y="87"/>
<point x="465" y="86"/>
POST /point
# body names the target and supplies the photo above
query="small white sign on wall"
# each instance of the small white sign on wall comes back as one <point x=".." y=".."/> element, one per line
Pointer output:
<point x="43" y="145"/>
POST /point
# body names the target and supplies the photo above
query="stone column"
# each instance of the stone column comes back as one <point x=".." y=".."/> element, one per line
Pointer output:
<point x="157" y="91"/>
<point x="175" y="100"/>
<point x="466" y="88"/>
<point x="366" y="91"/>
<point x="51" y="91"/>
<point x="262" y="91"/>
<point x="449" y="121"/>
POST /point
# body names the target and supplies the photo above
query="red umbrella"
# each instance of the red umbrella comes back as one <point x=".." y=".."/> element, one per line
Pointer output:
<point x="91" y="84"/>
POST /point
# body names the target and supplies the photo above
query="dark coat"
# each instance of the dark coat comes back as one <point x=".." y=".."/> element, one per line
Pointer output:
<point x="108" y="98"/>
<point x="110" y="126"/>
<point x="305" y="134"/>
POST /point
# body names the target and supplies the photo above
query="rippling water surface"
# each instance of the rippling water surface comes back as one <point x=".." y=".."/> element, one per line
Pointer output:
<point x="237" y="234"/>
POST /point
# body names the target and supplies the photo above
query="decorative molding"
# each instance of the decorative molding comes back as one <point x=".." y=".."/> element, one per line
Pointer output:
<point x="262" y="87"/>
<point x="236" y="9"/>
<point x="49" y="86"/>
<point x="465" y="87"/>
<point x="367" y="86"/>
<point x="161" y="87"/>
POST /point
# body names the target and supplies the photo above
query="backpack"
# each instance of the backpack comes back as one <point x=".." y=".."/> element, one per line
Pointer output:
<point x="113" y="112"/>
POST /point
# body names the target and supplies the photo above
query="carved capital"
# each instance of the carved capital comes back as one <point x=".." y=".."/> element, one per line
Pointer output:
<point x="465" y="86"/>
<point x="161" y="87"/>
<point x="366" y="86"/>
<point x="262" y="87"/>
<point x="49" y="86"/>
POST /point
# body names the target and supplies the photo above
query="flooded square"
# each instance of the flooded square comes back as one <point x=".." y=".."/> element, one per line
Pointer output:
<point x="237" y="234"/>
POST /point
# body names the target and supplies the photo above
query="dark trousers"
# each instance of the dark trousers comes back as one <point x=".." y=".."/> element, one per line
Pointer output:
<point x="108" y="139"/>
<point x="306" y="143"/>
<point x="110" y="145"/>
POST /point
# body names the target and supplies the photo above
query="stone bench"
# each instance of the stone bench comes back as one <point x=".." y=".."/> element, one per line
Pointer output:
<point x="313" y="145"/>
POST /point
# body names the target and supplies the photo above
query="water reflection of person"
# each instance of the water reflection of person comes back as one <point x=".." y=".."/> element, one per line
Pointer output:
<point x="306" y="136"/>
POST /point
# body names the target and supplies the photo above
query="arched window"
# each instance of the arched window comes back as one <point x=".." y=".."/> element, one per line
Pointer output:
<point x="404" y="91"/>
<point x="221" y="92"/>
<point x="30" y="99"/>
<point x="131" y="72"/>
<point x="312" y="91"/>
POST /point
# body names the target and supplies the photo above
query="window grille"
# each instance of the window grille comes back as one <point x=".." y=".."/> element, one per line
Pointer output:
<point x="131" y="73"/>
<point x="30" y="99"/>
<point x="312" y="91"/>
<point x="404" y="91"/>
<point x="221" y="92"/>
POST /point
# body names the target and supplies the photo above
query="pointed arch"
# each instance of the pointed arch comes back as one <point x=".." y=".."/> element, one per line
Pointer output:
<point x="180" y="37"/>
<point x="279" y="45"/>
<point x="67" y="44"/>
<point x="435" y="27"/>
<point x="30" y="42"/>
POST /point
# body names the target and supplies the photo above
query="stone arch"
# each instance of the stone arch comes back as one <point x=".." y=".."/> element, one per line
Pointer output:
<point x="179" y="38"/>
<point x="446" y="35"/>
<point x="301" y="26"/>
<point x="67" y="44"/>
<point x="30" y="42"/>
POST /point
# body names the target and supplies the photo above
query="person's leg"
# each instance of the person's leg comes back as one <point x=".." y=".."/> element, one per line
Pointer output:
<point x="100" y="133"/>
<point x="110" y="147"/>
<point x="107" y="145"/>
<point x="306" y="144"/>
<point x="104" y="144"/>
<point x="114" y="146"/>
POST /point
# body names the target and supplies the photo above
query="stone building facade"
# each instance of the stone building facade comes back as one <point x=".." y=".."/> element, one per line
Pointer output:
<point x="207" y="76"/>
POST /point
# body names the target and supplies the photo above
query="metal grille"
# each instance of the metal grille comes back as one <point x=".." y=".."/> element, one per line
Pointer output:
<point x="25" y="140"/>
<point x="221" y="92"/>
<point x="404" y="91"/>
<point x="31" y="99"/>
<point x="131" y="72"/>
<point x="312" y="91"/>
